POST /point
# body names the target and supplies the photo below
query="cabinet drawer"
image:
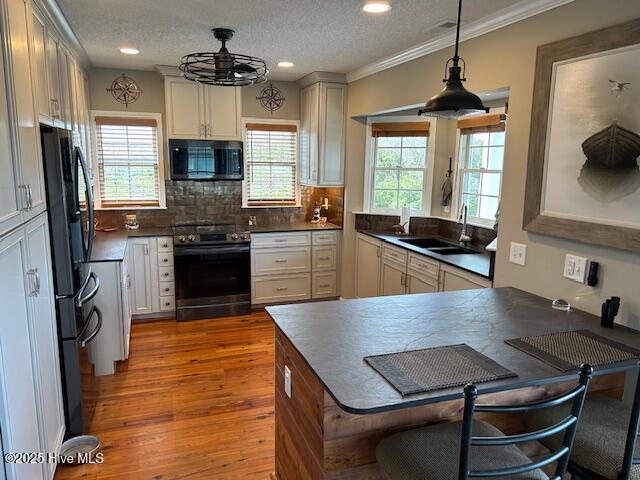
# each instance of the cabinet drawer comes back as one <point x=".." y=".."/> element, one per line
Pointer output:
<point x="281" y="288"/>
<point x="324" y="258"/>
<point x="423" y="266"/>
<point x="324" y="238"/>
<point x="276" y="261"/>
<point x="165" y="274"/>
<point x="393" y="253"/>
<point x="324" y="285"/>
<point x="289" y="239"/>
<point x="167" y="289"/>
<point x="167" y="304"/>
<point x="165" y="259"/>
<point x="165" y="244"/>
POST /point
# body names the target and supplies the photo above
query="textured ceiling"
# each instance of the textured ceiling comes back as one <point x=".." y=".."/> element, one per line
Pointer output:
<point x="317" y="35"/>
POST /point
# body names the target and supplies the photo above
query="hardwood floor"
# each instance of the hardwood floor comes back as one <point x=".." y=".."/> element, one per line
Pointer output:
<point x="195" y="400"/>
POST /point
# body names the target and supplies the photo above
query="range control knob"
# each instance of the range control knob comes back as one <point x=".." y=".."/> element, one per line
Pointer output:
<point x="244" y="236"/>
<point x="192" y="238"/>
<point x="182" y="239"/>
<point x="234" y="236"/>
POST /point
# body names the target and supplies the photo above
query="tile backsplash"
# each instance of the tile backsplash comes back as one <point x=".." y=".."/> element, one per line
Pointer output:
<point x="191" y="203"/>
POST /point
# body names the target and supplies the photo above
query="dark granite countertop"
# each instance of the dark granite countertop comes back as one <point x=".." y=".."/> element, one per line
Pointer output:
<point x="476" y="263"/>
<point x="334" y="337"/>
<point x="111" y="246"/>
<point x="293" y="227"/>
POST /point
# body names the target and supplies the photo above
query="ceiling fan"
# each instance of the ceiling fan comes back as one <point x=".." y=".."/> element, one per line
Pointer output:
<point x="222" y="67"/>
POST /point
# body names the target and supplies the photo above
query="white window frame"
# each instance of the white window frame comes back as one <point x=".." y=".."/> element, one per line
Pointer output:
<point x="459" y="190"/>
<point x="370" y="158"/>
<point x="162" y="200"/>
<point x="272" y="121"/>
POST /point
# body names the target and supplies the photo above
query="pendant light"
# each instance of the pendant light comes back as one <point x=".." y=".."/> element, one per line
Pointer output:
<point x="223" y="68"/>
<point x="454" y="100"/>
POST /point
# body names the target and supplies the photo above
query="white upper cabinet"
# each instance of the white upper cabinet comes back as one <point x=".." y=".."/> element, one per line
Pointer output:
<point x="322" y="134"/>
<point x="196" y="111"/>
<point x="30" y="176"/>
<point x="10" y="201"/>
<point x="64" y="67"/>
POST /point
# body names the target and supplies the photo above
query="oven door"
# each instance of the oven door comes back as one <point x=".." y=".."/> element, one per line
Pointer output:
<point x="212" y="281"/>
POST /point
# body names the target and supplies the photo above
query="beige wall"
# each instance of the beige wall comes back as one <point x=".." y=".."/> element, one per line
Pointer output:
<point x="502" y="58"/>
<point x="290" y="109"/>
<point x="151" y="83"/>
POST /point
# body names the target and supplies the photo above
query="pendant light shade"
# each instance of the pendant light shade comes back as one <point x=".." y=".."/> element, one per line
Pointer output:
<point x="454" y="100"/>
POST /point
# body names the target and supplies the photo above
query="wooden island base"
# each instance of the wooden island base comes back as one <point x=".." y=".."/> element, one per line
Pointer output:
<point x="316" y="439"/>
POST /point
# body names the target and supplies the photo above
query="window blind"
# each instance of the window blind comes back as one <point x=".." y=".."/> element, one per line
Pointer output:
<point x="483" y="123"/>
<point x="271" y="164"/>
<point x="128" y="161"/>
<point x="403" y="129"/>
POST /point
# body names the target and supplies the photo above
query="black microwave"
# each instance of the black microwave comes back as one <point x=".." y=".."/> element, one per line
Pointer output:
<point x="206" y="160"/>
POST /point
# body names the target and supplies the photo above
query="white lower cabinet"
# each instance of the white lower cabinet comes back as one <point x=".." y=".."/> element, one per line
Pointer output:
<point x="293" y="266"/>
<point x="384" y="269"/>
<point x="31" y="411"/>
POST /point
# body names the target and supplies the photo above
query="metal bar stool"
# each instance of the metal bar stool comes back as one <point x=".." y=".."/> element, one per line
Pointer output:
<point x="476" y="449"/>
<point x="606" y="445"/>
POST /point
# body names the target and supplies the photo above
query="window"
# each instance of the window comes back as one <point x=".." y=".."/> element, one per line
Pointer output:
<point x="271" y="164"/>
<point x="130" y="173"/>
<point x="480" y="164"/>
<point x="399" y="166"/>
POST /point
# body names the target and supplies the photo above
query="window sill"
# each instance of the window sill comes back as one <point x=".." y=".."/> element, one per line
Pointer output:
<point x="104" y="209"/>
<point x="251" y="207"/>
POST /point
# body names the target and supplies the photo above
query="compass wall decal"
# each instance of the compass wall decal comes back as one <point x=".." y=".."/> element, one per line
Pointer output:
<point x="125" y="90"/>
<point x="271" y="98"/>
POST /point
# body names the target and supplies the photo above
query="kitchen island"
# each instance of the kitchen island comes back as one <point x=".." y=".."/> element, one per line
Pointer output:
<point x="340" y="408"/>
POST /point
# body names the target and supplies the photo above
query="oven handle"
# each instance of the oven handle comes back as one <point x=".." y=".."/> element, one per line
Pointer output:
<point x="207" y="250"/>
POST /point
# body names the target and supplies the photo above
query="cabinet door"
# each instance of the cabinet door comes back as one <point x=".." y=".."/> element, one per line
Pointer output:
<point x="18" y="412"/>
<point x="65" y="88"/>
<point x="310" y="98"/>
<point x="417" y="284"/>
<point x="392" y="278"/>
<point x="333" y="99"/>
<point x="11" y="199"/>
<point x="185" y="108"/>
<point x="30" y="171"/>
<point x="54" y="78"/>
<point x="40" y="70"/>
<point x="368" y="252"/>
<point x="452" y="279"/>
<point x="45" y="339"/>
<point x="141" y="275"/>
<point x="223" y="110"/>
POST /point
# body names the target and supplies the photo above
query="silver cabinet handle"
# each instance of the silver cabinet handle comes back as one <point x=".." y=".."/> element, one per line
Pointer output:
<point x="202" y="130"/>
<point x="324" y="259"/>
<point x="128" y="281"/>
<point x="281" y="289"/>
<point x="403" y="280"/>
<point x="167" y="304"/>
<point x="281" y="260"/>
<point x="378" y="251"/>
<point x="35" y="285"/>
<point x="324" y="285"/>
<point x="279" y="240"/>
<point x="165" y="274"/>
<point x="165" y="245"/>
<point x="167" y="289"/>
<point x="25" y="198"/>
<point x="29" y="196"/>
<point x="165" y="260"/>
<point x="208" y="130"/>
<point x="146" y="249"/>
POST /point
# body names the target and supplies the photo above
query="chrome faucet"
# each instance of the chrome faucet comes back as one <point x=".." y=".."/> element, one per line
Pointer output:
<point x="462" y="218"/>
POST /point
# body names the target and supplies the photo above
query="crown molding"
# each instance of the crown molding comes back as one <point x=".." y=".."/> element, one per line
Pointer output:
<point x="315" y="77"/>
<point x="168" y="70"/>
<point x="507" y="16"/>
<point x="64" y="30"/>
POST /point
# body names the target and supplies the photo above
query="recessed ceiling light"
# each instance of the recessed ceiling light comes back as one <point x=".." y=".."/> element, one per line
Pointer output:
<point x="285" y="64"/>
<point x="376" y="7"/>
<point x="129" y="51"/>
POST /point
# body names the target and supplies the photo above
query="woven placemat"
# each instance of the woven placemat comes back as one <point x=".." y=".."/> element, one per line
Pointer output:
<point x="419" y="371"/>
<point x="568" y="350"/>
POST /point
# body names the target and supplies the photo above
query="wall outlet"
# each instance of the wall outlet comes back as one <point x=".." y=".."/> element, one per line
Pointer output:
<point x="575" y="268"/>
<point x="518" y="253"/>
<point x="287" y="381"/>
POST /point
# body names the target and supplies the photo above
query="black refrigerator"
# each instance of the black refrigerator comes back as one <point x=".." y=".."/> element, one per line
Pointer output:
<point x="71" y="220"/>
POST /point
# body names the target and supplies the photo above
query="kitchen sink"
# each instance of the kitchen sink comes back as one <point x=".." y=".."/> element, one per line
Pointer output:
<point x="428" y="243"/>
<point x="452" y="251"/>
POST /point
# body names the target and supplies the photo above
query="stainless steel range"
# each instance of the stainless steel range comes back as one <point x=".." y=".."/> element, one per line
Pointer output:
<point x="212" y="271"/>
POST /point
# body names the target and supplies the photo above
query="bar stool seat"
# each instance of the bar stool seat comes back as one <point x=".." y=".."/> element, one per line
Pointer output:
<point x="600" y="440"/>
<point x="432" y="453"/>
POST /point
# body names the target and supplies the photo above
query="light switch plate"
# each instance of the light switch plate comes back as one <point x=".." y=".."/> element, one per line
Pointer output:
<point x="287" y="381"/>
<point x="575" y="268"/>
<point x="518" y="253"/>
